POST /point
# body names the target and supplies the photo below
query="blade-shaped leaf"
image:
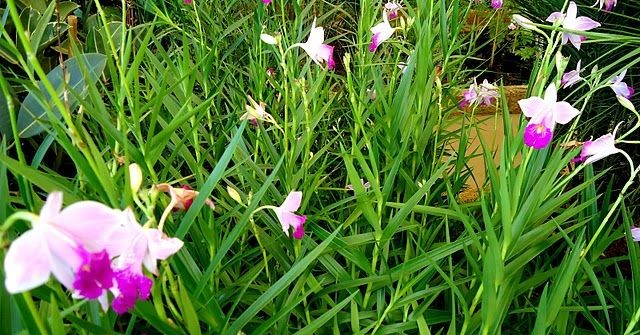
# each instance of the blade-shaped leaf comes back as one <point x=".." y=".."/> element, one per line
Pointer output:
<point x="33" y="116"/>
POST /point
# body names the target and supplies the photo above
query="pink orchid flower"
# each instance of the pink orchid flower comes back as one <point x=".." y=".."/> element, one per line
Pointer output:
<point x="187" y="2"/>
<point x="487" y="93"/>
<point x="572" y="22"/>
<point x="496" y="4"/>
<point x="571" y="77"/>
<point x="140" y="247"/>
<point x="544" y="114"/>
<point x="469" y="96"/>
<point x="603" y="146"/>
<point x="393" y="7"/>
<point x="74" y="244"/>
<point x="381" y="32"/>
<point x="483" y="94"/>
<point x="620" y="87"/>
<point x="635" y="234"/>
<point x="316" y="49"/>
<point x="607" y="4"/>
<point x="182" y="197"/>
<point x="266" y="2"/>
<point x="287" y="218"/>
<point x="256" y="112"/>
<point x="146" y="246"/>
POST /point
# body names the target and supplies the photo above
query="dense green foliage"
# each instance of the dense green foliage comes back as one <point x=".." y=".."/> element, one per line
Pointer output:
<point x="540" y="249"/>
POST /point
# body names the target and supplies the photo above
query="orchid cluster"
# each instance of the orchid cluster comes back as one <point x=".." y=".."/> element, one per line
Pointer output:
<point x="91" y="249"/>
<point x="96" y="251"/>
<point x="483" y="95"/>
<point x="545" y="113"/>
<point x="383" y="30"/>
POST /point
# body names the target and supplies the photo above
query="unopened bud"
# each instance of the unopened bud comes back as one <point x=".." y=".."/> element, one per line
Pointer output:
<point x="135" y="177"/>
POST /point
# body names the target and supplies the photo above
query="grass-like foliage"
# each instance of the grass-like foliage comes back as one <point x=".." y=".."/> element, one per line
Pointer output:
<point x="223" y="97"/>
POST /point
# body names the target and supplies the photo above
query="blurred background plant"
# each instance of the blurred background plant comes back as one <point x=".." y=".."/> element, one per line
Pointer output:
<point x="500" y="52"/>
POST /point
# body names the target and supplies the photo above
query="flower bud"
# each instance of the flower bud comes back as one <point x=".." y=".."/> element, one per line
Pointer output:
<point x="135" y="177"/>
<point x="266" y="38"/>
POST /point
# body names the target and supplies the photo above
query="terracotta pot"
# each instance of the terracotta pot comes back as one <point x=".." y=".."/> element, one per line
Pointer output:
<point x="512" y="93"/>
<point x="490" y="128"/>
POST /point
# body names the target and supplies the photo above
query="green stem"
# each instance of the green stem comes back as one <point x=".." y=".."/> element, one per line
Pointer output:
<point x="34" y="313"/>
<point x="262" y="249"/>
<point x="17" y="216"/>
<point x="611" y="211"/>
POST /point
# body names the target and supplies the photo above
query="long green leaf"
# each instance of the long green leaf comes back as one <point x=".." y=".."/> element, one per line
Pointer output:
<point x="33" y="116"/>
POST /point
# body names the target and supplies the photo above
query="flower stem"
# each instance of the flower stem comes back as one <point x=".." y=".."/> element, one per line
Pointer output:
<point x="611" y="210"/>
<point x="24" y="216"/>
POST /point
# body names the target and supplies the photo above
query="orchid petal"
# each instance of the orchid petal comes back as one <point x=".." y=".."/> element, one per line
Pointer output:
<point x="551" y="94"/>
<point x="576" y="40"/>
<point x="555" y="16"/>
<point x="104" y="301"/>
<point x="325" y="53"/>
<point x="532" y="107"/>
<point x="619" y="77"/>
<point x="564" y="112"/>
<point x="65" y="254"/>
<point x="298" y="232"/>
<point x="537" y="136"/>
<point x="161" y="247"/>
<point x="292" y="202"/>
<point x="52" y="205"/>
<point x="27" y="263"/>
<point x="585" y="23"/>
<point x="635" y="233"/>
<point x="288" y="220"/>
<point x="572" y="11"/>
<point x="316" y="37"/>
<point x="621" y="88"/>
<point x="85" y="218"/>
